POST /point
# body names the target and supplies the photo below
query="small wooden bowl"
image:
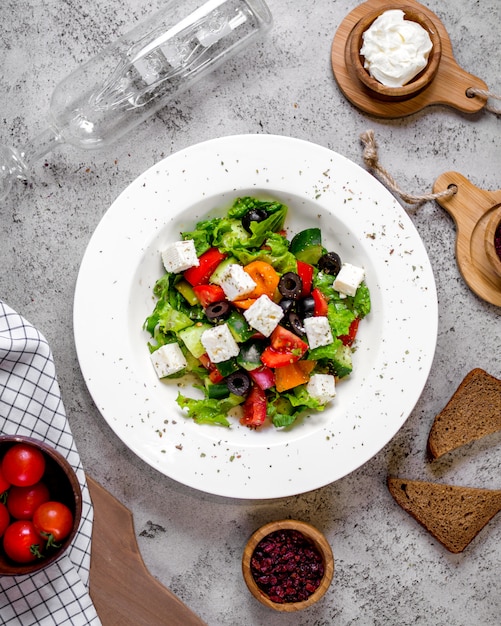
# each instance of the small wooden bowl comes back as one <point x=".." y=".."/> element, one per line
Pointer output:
<point x="490" y="232"/>
<point x="419" y="82"/>
<point x="310" y="533"/>
<point x="64" y="487"/>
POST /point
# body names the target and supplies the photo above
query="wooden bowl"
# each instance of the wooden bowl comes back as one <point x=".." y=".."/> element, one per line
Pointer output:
<point x="419" y="82"/>
<point x="492" y="227"/>
<point x="63" y="486"/>
<point x="310" y="533"/>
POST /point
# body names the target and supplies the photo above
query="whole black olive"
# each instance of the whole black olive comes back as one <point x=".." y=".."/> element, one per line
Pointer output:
<point x="329" y="263"/>
<point x="286" y="305"/>
<point x="290" y="286"/>
<point x="295" y="323"/>
<point x="306" y="307"/>
<point x="218" y="311"/>
<point x="253" y="215"/>
<point x="238" y="383"/>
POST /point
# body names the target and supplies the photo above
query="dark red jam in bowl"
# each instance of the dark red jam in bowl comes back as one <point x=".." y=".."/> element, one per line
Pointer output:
<point x="287" y="566"/>
<point x="497" y="240"/>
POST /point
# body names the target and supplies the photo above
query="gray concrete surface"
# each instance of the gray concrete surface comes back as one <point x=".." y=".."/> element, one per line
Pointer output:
<point x="388" y="570"/>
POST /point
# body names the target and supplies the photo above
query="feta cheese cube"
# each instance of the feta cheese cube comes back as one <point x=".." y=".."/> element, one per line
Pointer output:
<point x="180" y="256"/>
<point x="322" y="387"/>
<point x="235" y="282"/>
<point x="219" y="343"/>
<point x="168" y="360"/>
<point x="318" y="331"/>
<point x="264" y="315"/>
<point x="349" y="279"/>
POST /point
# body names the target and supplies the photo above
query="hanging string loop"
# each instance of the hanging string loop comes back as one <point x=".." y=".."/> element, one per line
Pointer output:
<point x="371" y="160"/>
<point x="471" y="92"/>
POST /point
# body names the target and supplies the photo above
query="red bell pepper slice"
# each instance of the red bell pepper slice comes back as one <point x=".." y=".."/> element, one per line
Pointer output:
<point x="352" y="333"/>
<point x="207" y="294"/>
<point x="305" y="273"/>
<point x="208" y="262"/>
<point x="254" y="408"/>
<point x="285" y="348"/>
<point x="264" y="377"/>
<point x="320" y="300"/>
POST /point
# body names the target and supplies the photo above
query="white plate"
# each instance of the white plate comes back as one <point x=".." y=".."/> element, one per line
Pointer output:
<point x="359" y="218"/>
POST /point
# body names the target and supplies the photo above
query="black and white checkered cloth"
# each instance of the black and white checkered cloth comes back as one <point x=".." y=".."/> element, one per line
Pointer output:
<point x="31" y="405"/>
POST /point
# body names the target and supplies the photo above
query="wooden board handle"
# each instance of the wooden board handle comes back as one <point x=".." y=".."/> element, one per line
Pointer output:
<point x="472" y="208"/>
<point x="122" y="590"/>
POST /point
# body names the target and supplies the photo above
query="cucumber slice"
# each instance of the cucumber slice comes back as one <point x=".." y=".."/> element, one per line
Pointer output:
<point x="218" y="272"/>
<point x="191" y="338"/>
<point x="307" y="246"/>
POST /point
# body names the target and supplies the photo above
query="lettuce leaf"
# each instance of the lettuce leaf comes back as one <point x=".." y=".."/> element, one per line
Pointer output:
<point x="209" y="410"/>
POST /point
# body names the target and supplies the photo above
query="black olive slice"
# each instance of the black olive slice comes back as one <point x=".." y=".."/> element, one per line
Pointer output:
<point x="217" y="311"/>
<point x="290" y="286"/>
<point x="306" y="307"/>
<point x="253" y="215"/>
<point x="286" y="305"/>
<point x="295" y="324"/>
<point x="330" y="263"/>
<point x="238" y="383"/>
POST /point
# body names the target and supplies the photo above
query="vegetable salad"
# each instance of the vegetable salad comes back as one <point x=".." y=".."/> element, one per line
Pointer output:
<point x="263" y="321"/>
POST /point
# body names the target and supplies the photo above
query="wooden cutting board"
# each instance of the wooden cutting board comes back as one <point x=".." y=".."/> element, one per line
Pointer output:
<point x="122" y="589"/>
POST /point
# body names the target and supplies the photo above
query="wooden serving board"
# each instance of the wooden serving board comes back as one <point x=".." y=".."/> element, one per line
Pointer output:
<point x="122" y="590"/>
<point x="472" y="208"/>
<point x="448" y="87"/>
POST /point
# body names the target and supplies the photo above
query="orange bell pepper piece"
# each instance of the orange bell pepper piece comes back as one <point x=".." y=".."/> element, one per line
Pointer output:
<point x="266" y="279"/>
<point x="292" y="375"/>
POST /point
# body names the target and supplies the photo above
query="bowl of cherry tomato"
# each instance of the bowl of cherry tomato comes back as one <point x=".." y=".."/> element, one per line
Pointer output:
<point x="40" y="505"/>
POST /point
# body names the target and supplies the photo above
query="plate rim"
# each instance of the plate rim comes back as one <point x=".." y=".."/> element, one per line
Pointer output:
<point x="217" y="146"/>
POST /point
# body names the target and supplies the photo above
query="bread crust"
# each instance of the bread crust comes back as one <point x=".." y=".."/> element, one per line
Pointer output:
<point x="473" y="412"/>
<point x="452" y="514"/>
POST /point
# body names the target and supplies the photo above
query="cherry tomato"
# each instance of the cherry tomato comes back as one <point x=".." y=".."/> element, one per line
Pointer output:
<point x="53" y="521"/>
<point x="22" y="543"/>
<point x="207" y="294"/>
<point x="4" y="518"/>
<point x="22" y="502"/>
<point x="23" y="465"/>
<point x="321" y="308"/>
<point x="254" y="408"/>
<point x="4" y="483"/>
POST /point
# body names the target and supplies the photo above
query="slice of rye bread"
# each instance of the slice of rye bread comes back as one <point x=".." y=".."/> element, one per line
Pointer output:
<point x="473" y="412"/>
<point x="453" y="515"/>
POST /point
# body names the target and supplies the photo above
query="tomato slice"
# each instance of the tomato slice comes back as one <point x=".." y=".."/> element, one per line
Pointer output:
<point x="352" y="333"/>
<point x="207" y="294"/>
<point x="254" y="408"/>
<point x="208" y="262"/>
<point x="214" y="374"/>
<point x="284" y="340"/>
<point x="305" y="273"/>
<point x="285" y="348"/>
<point x="320" y="300"/>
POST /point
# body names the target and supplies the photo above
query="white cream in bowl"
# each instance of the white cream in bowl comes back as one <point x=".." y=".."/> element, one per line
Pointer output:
<point x="395" y="49"/>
